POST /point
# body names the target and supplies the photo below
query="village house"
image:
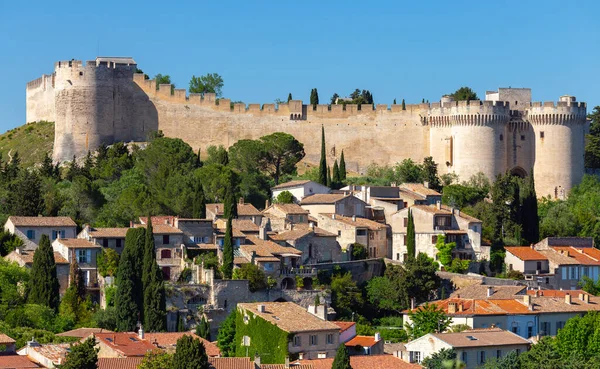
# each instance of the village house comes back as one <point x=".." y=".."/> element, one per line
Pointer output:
<point x="347" y="330"/>
<point x="383" y="200"/>
<point x="168" y="243"/>
<point x="365" y="345"/>
<point x="433" y="221"/>
<point x="282" y="216"/>
<point x="31" y="229"/>
<point x="85" y="253"/>
<point x="473" y="347"/>
<point x="112" y="238"/>
<point x="419" y="194"/>
<point x="317" y="245"/>
<point x="352" y="230"/>
<point x="244" y="212"/>
<point x="334" y="203"/>
<point x="299" y="189"/>
<point x="24" y="258"/>
<point x="313" y="337"/>
<point x="47" y="356"/>
<point x="245" y="226"/>
<point x="364" y="362"/>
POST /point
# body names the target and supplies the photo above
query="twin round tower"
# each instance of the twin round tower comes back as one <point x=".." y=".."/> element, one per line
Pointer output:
<point x="104" y="101"/>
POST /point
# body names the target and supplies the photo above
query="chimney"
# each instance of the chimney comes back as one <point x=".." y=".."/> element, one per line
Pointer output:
<point x="581" y="296"/>
<point x="257" y="360"/>
<point x="412" y="303"/>
<point x="536" y="293"/>
<point x="311" y="225"/>
<point x="287" y="362"/>
<point x="131" y="224"/>
<point x="533" y="248"/>
<point x="262" y="232"/>
<point x="333" y="216"/>
<point x="452" y="308"/>
<point x="439" y="205"/>
<point x="377" y="336"/>
<point x="241" y="201"/>
<point x="141" y="332"/>
<point x="393" y="184"/>
<point x="354" y="218"/>
<point x="426" y="184"/>
<point x="567" y="299"/>
<point x="18" y="250"/>
<point x="261" y="308"/>
<point x="267" y="203"/>
<point x="490" y="291"/>
<point x="216" y="209"/>
<point x="586" y="298"/>
<point x="527" y="300"/>
<point x="460" y="307"/>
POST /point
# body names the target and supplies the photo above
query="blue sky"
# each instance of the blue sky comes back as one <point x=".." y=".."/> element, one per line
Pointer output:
<point x="264" y="49"/>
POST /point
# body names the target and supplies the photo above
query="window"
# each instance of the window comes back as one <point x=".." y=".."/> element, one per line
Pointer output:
<point x="301" y="219"/>
<point x="165" y="239"/>
<point x="313" y="339"/>
<point x="464" y="357"/>
<point x="322" y="355"/>
<point x="433" y="239"/>
<point x="522" y="137"/>
<point x="573" y="272"/>
<point x="56" y="234"/>
<point x="498" y="354"/>
<point x="371" y="235"/>
<point x="515" y="330"/>
<point x="105" y="242"/>
<point x="518" y="352"/>
<point x="501" y="137"/>
<point x="297" y="341"/>
<point x="268" y="267"/>
<point x="529" y="332"/>
<point x="165" y="254"/>
<point x="542" y="134"/>
<point x="481" y="357"/>
<point x="339" y="233"/>
<point x="545" y="329"/>
<point x="397" y="256"/>
<point x="84" y="256"/>
<point x="119" y="242"/>
<point x="405" y="222"/>
<point x="361" y="232"/>
<point x="238" y="242"/>
<point x="559" y="325"/>
<point x="31" y="234"/>
<point x="330" y="339"/>
<point x="539" y="265"/>
<point x="415" y="357"/>
<point x="443" y="221"/>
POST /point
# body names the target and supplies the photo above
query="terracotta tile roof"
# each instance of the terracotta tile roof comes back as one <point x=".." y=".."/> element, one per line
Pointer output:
<point x="161" y="228"/>
<point x="27" y="257"/>
<point x="577" y="254"/>
<point x="298" y="182"/>
<point x="406" y="194"/>
<point x="481" y="338"/>
<point x="344" y="326"/>
<point x="554" y="293"/>
<point x="236" y="232"/>
<point x="160" y="219"/>
<point x="282" y="366"/>
<point x="78" y="243"/>
<point x="299" y="231"/>
<point x="323" y="198"/>
<point x="364" y="341"/>
<point x="366" y="362"/>
<point x="240" y="260"/>
<point x="206" y="246"/>
<point x="289" y="317"/>
<point x="265" y="248"/>
<point x="358" y="222"/>
<point x="16" y="362"/>
<point x="119" y="363"/>
<point x="462" y="214"/>
<point x="126" y="343"/>
<point x="83" y="332"/>
<point x="230" y="363"/>
<point x="166" y="339"/>
<point x="4" y="339"/>
<point x="432" y="209"/>
<point x="555" y="257"/>
<point x="242" y="209"/>
<point x="592" y="252"/>
<point x="53" y="352"/>
<point x="108" y="232"/>
<point x="420" y="189"/>
<point x="245" y="225"/>
<point x="525" y="253"/>
<point x="42" y="221"/>
<point x="478" y="291"/>
<point x="291" y="209"/>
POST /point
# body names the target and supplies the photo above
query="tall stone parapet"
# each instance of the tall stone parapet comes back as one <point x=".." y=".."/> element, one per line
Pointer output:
<point x="559" y="130"/>
<point x="469" y="136"/>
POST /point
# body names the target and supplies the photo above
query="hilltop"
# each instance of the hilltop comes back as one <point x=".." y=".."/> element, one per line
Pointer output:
<point x="32" y="140"/>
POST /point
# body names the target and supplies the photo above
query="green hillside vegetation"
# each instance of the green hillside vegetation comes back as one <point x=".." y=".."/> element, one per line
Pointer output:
<point x="32" y="140"/>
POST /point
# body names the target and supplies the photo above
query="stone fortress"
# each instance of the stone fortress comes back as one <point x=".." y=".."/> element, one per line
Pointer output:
<point x="105" y="101"/>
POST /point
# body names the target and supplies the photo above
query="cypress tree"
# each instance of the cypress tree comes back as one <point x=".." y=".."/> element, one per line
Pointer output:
<point x="394" y="101"/>
<point x="342" y="358"/>
<point x="230" y="205"/>
<point x="203" y="329"/>
<point x="72" y="298"/>
<point x="342" y="167"/>
<point x="289" y="97"/>
<point x="323" y="162"/>
<point x="129" y="296"/>
<point x="44" y="287"/>
<point x="199" y="159"/>
<point x="314" y="97"/>
<point x="149" y="254"/>
<point x="410" y="236"/>
<point x="180" y="324"/>
<point x="227" y="267"/>
<point x="423" y="101"/>
<point x="530" y="218"/>
<point x="403" y="105"/>
<point x="190" y="354"/>
<point x="329" y="177"/>
<point x="155" y="301"/>
<point x="336" y="181"/>
<point x="199" y="204"/>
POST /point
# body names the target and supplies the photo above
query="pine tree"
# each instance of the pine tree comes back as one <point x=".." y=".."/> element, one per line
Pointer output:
<point x="227" y="267"/>
<point x="82" y="356"/>
<point x="129" y="296"/>
<point x="410" y="236"/>
<point x="44" y="287"/>
<point x="47" y="169"/>
<point x="403" y="105"/>
<point x="190" y="354"/>
<point x="11" y="169"/>
<point x="155" y="302"/>
<point x="329" y="177"/>
<point x="323" y="162"/>
<point x="423" y="101"/>
<point x="342" y="358"/>
<point x="289" y="97"/>
<point x="203" y="329"/>
<point x="530" y="218"/>
<point x="199" y="202"/>
<point x="336" y="181"/>
<point x="342" y="167"/>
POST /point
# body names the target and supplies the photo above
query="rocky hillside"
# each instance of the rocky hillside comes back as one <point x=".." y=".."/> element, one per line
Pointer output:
<point x="31" y="140"/>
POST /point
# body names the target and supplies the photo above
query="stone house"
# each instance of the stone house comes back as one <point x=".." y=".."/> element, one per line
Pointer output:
<point x="245" y="226"/>
<point x="48" y="355"/>
<point x="384" y="200"/>
<point x="347" y="330"/>
<point x="365" y="345"/>
<point x="281" y="216"/>
<point x="300" y="189"/>
<point x="526" y="260"/>
<point x="85" y="253"/>
<point x="169" y="246"/>
<point x="334" y="203"/>
<point x="312" y="337"/>
<point x="31" y="229"/>
<point x="432" y="221"/>
<point x="473" y="347"/>
<point x="317" y="245"/>
<point x="245" y="212"/>
<point x="419" y="194"/>
<point x="112" y="238"/>
<point x="122" y="344"/>
<point x="354" y="229"/>
<point x="24" y="258"/>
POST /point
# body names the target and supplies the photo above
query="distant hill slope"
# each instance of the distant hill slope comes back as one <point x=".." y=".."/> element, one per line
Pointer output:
<point x="31" y="140"/>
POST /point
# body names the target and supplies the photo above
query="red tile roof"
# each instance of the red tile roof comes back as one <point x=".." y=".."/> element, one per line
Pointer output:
<point x="77" y="243"/>
<point x="126" y="343"/>
<point x="42" y="221"/>
<point x="554" y="293"/>
<point x="525" y="253"/>
<point x="4" y="339"/>
<point x="166" y="339"/>
<point x="230" y="363"/>
<point x="16" y="362"/>
<point x="344" y="326"/>
<point x="108" y="232"/>
<point x="83" y="332"/>
<point x="364" y="341"/>
<point x="577" y="254"/>
<point x="119" y="363"/>
<point x="366" y="362"/>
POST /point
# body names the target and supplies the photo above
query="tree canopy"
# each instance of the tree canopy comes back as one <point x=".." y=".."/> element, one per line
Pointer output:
<point x="44" y="284"/>
<point x="210" y="82"/>
<point x="464" y="93"/>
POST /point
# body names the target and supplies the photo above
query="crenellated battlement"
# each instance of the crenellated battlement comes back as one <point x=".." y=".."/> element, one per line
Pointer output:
<point x="556" y="113"/>
<point x="469" y="113"/>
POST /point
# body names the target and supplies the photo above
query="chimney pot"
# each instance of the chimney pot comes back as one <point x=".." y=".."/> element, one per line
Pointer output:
<point x="377" y="336"/>
<point x="527" y="300"/>
<point x="490" y="291"/>
<point x="586" y="298"/>
<point x="354" y="218"/>
<point x="332" y="216"/>
<point x="439" y="205"/>
<point x="567" y="299"/>
<point x="412" y="303"/>
<point x="287" y="362"/>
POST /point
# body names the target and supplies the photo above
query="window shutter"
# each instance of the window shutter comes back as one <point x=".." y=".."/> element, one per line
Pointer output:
<point x="88" y="256"/>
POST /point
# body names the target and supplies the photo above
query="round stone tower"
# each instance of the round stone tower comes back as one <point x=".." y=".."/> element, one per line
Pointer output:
<point x="473" y="135"/>
<point x="89" y="110"/>
<point x="559" y="145"/>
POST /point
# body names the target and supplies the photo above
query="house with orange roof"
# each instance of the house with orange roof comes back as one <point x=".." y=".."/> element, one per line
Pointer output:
<point x="364" y="362"/>
<point x="365" y="345"/>
<point x="299" y="189"/>
<point x="526" y="260"/>
<point x="433" y="221"/>
<point x="347" y="330"/>
<point x="46" y="356"/>
<point x="113" y="238"/>
<point x="123" y="344"/>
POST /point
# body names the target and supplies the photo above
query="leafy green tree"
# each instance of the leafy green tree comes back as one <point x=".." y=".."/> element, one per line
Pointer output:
<point x="403" y="105"/>
<point x="408" y="172"/>
<point x="542" y="355"/>
<point x="157" y="360"/>
<point x="26" y="196"/>
<point x="203" y="329"/>
<point x="342" y="358"/>
<point x="592" y="146"/>
<point x="108" y="262"/>
<point x="281" y="154"/>
<point x="342" y="167"/>
<point x="226" y="336"/>
<point x="430" y="173"/>
<point x="588" y="285"/>
<point x="410" y="236"/>
<point x="425" y="319"/>
<point x="216" y="155"/>
<point x="444" y="250"/>
<point x="336" y="181"/>
<point x="257" y="280"/>
<point x="227" y="267"/>
<point x="190" y="354"/>
<point x="289" y="97"/>
<point x="346" y="297"/>
<point x="439" y="359"/>
<point x="359" y="251"/>
<point x="323" y="162"/>
<point x="314" y="97"/>
<point x="508" y="361"/>
<point x="580" y="335"/>
<point x="334" y="99"/>
<point x="464" y="93"/>
<point x="163" y="80"/>
<point x="210" y="82"/>
<point x="82" y="356"/>
<point x="44" y="284"/>
<point x="285" y="197"/>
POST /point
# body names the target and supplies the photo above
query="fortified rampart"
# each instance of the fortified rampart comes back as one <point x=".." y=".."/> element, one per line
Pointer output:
<point x="104" y="101"/>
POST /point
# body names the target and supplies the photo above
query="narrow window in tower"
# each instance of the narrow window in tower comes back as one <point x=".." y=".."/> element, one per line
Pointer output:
<point x="542" y="134"/>
<point x="522" y="137"/>
<point x="501" y="137"/>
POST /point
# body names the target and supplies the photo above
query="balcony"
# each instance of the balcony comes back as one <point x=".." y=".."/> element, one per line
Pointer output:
<point x="303" y="272"/>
